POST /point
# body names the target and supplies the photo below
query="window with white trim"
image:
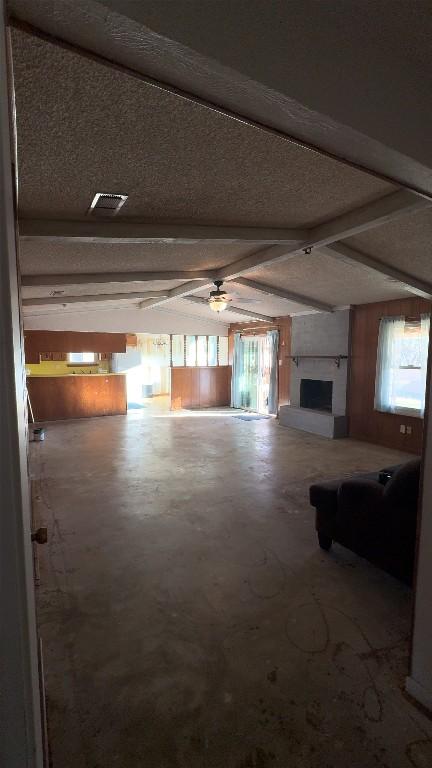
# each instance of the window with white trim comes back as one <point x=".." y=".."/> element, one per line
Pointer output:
<point x="400" y="382"/>
<point x="201" y="351"/>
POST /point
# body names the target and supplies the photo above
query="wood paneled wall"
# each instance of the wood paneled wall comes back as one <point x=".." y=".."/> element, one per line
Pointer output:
<point x="76" y="397"/>
<point x="200" y="387"/>
<point x="364" y="422"/>
<point x="284" y="371"/>
<point x="36" y="342"/>
<point x="283" y="325"/>
<point x="131" y="340"/>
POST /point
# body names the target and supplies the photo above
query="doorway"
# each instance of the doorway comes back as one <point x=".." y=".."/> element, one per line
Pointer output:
<point x="254" y="385"/>
<point x="147" y="367"/>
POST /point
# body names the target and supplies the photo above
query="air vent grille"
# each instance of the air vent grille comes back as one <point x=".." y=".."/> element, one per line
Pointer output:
<point x="106" y="204"/>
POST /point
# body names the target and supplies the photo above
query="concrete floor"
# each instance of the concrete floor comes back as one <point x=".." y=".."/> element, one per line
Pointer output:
<point x="188" y="617"/>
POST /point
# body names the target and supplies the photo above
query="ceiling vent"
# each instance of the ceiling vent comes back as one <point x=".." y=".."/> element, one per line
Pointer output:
<point x="106" y="204"/>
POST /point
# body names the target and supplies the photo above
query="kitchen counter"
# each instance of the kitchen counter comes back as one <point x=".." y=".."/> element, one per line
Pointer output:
<point x="76" y="395"/>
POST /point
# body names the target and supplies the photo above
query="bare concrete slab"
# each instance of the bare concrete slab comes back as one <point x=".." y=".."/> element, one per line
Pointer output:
<point x="188" y="617"/>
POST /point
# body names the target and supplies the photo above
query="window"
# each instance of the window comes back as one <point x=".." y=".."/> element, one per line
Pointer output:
<point x="177" y="350"/>
<point x="223" y="350"/>
<point x="191" y="350"/>
<point x="212" y="350"/>
<point x="202" y="350"/>
<point x="83" y="357"/>
<point x="401" y="365"/>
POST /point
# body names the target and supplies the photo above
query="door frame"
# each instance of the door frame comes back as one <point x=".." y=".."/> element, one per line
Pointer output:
<point x="20" y="714"/>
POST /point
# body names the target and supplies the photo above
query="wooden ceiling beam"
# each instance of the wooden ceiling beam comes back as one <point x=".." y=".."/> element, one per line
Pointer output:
<point x="84" y="278"/>
<point x="131" y="231"/>
<point x="382" y="211"/>
<point x="42" y="301"/>
<point x="346" y="253"/>
<point x="271" y="290"/>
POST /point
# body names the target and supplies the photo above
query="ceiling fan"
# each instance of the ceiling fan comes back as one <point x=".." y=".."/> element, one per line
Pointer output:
<point x="218" y="300"/>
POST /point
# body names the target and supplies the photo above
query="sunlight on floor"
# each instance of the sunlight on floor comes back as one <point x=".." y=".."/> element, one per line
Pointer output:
<point x="159" y="408"/>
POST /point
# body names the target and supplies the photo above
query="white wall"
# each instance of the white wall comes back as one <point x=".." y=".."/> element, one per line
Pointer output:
<point x="419" y="684"/>
<point x="125" y="321"/>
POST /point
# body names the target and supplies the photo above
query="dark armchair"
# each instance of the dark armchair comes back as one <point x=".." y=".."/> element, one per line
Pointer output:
<point x="373" y="515"/>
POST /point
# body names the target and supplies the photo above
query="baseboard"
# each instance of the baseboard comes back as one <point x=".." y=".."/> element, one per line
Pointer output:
<point x="418" y="692"/>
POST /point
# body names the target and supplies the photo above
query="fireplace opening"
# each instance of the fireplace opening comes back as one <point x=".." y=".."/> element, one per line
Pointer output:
<point x="316" y="394"/>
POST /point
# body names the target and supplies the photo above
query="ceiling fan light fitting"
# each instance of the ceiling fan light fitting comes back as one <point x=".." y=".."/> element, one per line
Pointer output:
<point x="218" y="303"/>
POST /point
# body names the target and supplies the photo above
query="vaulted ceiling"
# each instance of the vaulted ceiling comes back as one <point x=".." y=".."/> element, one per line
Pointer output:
<point x="211" y="194"/>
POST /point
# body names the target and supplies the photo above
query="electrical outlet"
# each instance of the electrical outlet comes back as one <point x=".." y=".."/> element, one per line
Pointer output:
<point x="409" y="430"/>
<point x="402" y="428"/>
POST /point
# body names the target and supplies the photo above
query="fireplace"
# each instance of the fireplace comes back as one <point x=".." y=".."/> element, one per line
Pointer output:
<point x="316" y="394"/>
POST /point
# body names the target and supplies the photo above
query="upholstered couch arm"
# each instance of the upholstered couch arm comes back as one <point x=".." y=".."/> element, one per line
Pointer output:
<point x="324" y="494"/>
<point x="360" y="497"/>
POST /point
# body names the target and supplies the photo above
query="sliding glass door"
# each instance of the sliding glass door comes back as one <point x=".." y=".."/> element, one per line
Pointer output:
<point x="249" y="374"/>
<point x="255" y="372"/>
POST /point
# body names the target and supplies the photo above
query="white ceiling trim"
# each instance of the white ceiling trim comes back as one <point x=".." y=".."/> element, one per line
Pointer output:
<point x="346" y="253"/>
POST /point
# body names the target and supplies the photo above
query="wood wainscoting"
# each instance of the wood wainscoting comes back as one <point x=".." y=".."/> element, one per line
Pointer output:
<point x="200" y="387"/>
<point x="76" y="397"/>
<point x="365" y="423"/>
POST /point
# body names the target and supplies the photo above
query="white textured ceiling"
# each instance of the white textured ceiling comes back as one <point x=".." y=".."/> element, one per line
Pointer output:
<point x="79" y="307"/>
<point x="83" y="128"/>
<point x="242" y="298"/>
<point x="329" y="279"/>
<point x="201" y="310"/>
<point x="54" y="258"/>
<point x="406" y="244"/>
<point x="252" y="300"/>
<point x="90" y="289"/>
<point x="177" y="306"/>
